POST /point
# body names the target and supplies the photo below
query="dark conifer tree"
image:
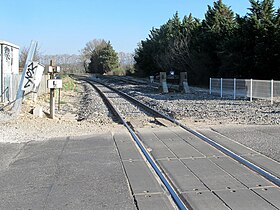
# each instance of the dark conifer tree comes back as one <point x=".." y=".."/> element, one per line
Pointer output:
<point x="103" y="59"/>
<point x="222" y="45"/>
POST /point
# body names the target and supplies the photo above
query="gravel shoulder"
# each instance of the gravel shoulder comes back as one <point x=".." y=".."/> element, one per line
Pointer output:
<point x="82" y="112"/>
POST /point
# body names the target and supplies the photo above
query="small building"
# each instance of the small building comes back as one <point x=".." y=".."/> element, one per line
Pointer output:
<point x="9" y="68"/>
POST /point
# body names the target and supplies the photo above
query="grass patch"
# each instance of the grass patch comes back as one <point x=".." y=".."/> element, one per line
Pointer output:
<point x="68" y="84"/>
<point x="118" y="71"/>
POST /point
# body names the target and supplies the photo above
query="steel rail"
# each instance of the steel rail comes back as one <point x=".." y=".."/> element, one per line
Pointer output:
<point x="180" y="204"/>
<point x="269" y="176"/>
<point x="154" y="85"/>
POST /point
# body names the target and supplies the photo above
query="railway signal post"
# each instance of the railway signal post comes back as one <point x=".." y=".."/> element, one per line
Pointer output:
<point x="52" y="84"/>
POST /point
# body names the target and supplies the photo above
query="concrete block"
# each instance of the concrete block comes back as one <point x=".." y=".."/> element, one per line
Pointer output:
<point x="141" y="178"/>
<point x="265" y="163"/>
<point x="162" y="77"/>
<point x="241" y="172"/>
<point x="126" y="147"/>
<point x="212" y="175"/>
<point x="164" y="88"/>
<point x="38" y="111"/>
<point x="151" y="79"/>
<point x="153" y="201"/>
<point x="183" y="77"/>
<point x="205" y="200"/>
<point x="271" y="194"/>
<point x="243" y="199"/>
<point x="227" y="142"/>
<point x="183" y="179"/>
<point x="186" y="87"/>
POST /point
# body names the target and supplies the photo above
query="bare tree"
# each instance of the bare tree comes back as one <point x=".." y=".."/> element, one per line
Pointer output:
<point x="23" y="56"/>
<point x="126" y="60"/>
<point x="69" y="63"/>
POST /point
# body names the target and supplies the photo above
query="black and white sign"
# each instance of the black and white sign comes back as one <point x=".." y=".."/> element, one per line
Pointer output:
<point x="54" y="83"/>
<point x="32" y="77"/>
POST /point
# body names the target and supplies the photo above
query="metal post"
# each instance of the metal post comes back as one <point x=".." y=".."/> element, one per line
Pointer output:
<point x="2" y="76"/>
<point x="234" y="88"/>
<point x="30" y="56"/>
<point x="20" y="92"/>
<point x="210" y="86"/>
<point x="59" y="99"/>
<point x="52" y="103"/>
<point x="271" y="91"/>
<point x="52" y="96"/>
<point x="221" y="87"/>
<point x="251" y="90"/>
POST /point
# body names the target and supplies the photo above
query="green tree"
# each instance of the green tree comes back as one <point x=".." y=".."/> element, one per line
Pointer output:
<point x="103" y="59"/>
<point x="221" y="45"/>
<point x="276" y="47"/>
<point x="261" y="19"/>
<point x="217" y="31"/>
<point x="257" y="36"/>
<point x="183" y="46"/>
<point x="89" y="49"/>
<point x="156" y="53"/>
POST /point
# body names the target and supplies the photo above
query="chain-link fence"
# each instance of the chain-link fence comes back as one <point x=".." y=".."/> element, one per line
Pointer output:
<point x="245" y="88"/>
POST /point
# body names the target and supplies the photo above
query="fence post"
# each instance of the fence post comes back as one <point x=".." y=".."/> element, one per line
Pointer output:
<point x="221" y="87"/>
<point x="234" y="88"/>
<point x="251" y="90"/>
<point x="210" y="86"/>
<point x="271" y="91"/>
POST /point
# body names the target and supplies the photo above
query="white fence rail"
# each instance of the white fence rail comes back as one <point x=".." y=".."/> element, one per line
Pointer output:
<point x="11" y="85"/>
<point x="245" y="88"/>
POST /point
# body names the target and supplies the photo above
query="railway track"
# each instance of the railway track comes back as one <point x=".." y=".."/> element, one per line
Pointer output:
<point x="207" y="151"/>
<point x="115" y="103"/>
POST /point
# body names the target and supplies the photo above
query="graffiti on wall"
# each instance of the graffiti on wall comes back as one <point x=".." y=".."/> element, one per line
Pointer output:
<point x="32" y="77"/>
<point x="8" y="55"/>
<point x="29" y="75"/>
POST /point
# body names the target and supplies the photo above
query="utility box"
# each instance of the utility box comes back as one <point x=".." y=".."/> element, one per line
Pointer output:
<point x="9" y="66"/>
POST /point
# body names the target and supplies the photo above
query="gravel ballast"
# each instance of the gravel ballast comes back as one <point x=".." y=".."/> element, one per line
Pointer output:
<point x="200" y="110"/>
<point x="83" y="112"/>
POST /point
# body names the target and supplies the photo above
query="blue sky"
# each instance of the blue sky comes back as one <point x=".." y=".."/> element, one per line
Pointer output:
<point x="65" y="26"/>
